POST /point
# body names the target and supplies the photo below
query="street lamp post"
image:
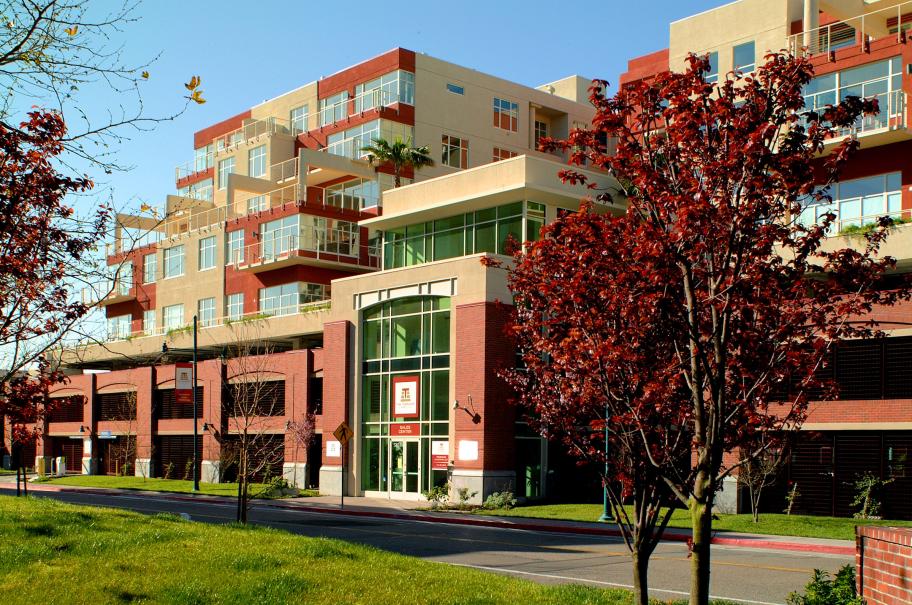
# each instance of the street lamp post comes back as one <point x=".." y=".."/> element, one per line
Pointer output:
<point x="196" y="483"/>
<point x="606" y="513"/>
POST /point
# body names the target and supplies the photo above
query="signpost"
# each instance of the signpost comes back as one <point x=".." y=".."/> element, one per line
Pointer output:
<point x="343" y="434"/>
<point x="183" y="383"/>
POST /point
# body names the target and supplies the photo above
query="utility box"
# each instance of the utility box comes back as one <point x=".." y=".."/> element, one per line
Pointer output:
<point x="60" y="466"/>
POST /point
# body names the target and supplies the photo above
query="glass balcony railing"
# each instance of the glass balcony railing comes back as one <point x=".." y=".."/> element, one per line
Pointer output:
<point x="888" y="22"/>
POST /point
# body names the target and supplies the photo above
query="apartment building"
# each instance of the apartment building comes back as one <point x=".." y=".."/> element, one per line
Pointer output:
<point x="367" y="304"/>
<point x="859" y="48"/>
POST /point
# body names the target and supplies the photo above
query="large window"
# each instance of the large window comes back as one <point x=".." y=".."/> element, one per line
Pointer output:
<point x="298" y="119"/>
<point x="174" y="261"/>
<point x="150" y="268"/>
<point x="173" y="317"/>
<point x="489" y="230"/>
<point x="859" y="202"/>
<point x="744" y="57"/>
<point x="356" y="194"/>
<point x="225" y="167"/>
<point x="279" y="236"/>
<point x="256" y="161"/>
<point x="234" y="305"/>
<point x="506" y="114"/>
<point x="880" y="79"/>
<point x="119" y="327"/>
<point x="502" y="154"/>
<point x="349" y="142"/>
<point x="235" y="247"/>
<point x="202" y="158"/>
<point x="205" y="312"/>
<point x="286" y="299"/>
<point x="541" y="131"/>
<point x="207" y="253"/>
<point x="125" y="278"/>
<point x="713" y="75"/>
<point x="455" y="152"/>
<point x="149" y="322"/>
<point x="334" y="108"/>
<point x="394" y="87"/>
<point x="201" y="190"/>
<point x="404" y="337"/>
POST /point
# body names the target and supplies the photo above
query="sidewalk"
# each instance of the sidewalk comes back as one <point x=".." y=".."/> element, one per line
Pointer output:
<point x="406" y="511"/>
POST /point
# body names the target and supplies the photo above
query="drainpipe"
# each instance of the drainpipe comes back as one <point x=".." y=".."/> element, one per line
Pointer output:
<point x="810" y="23"/>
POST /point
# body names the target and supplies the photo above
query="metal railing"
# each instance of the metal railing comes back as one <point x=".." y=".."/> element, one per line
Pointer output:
<point x="865" y="28"/>
<point x="892" y="115"/>
<point x="226" y="320"/>
<point x="187" y="221"/>
<point x="195" y="166"/>
<point x="323" y="243"/>
<point x="255" y="129"/>
<point x="349" y="148"/>
<point x="284" y="171"/>
<point x="370" y="99"/>
<point x="839" y="226"/>
<point x="204" y="194"/>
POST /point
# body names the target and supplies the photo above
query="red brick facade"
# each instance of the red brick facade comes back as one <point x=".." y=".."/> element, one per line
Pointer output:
<point x="884" y="565"/>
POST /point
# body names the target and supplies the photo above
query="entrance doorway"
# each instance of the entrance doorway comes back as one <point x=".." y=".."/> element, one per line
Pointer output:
<point x="405" y="469"/>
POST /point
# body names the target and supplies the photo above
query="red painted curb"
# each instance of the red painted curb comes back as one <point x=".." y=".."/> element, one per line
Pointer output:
<point x="527" y="526"/>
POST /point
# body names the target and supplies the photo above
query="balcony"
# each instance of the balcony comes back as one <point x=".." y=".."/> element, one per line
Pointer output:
<point x="108" y="292"/>
<point x="376" y="98"/>
<point x="307" y="245"/>
<point x="199" y="165"/>
<point x="254" y="130"/>
<point x="888" y="126"/>
<point x="879" y="24"/>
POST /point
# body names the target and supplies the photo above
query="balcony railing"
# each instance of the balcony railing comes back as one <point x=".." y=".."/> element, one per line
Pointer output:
<point x="371" y="99"/>
<point x="284" y="171"/>
<point x="255" y="129"/>
<point x="278" y="310"/>
<point x="892" y="115"/>
<point x="314" y="242"/>
<point x="194" y="166"/>
<point x="866" y="28"/>
<point x="187" y="221"/>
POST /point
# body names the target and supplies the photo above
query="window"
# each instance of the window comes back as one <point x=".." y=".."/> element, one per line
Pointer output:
<point x="488" y="230"/>
<point x="173" y="317"/>
<point x="858" y="202"/>
<point x="334" y="108"/>
<point x="744" y="57"/>
<point x="125" y="278"/>
<point x="202" y="158"/>
<point x="201" y="190"/>
<point x="149" y="322"/>
<point x="205" y="312"/>
<point x="280" y="236"/>
<point x="257" y="203"/>
<point x="256" y="162"/>
<point x="713" y="75"/>
<point x="506" y="114"/>
<point x="280" y="300"/>
<point x="503" y="154"/>
<point x="455" y="88"/>
<point x="455" y="152"/>
<point x="298" y="119"/>
<point x="207" y="253"/>
<point x="356" y="194"/>
<point x="119" y="327"/>
<point x="541" y="131"/>
<point x="235" y="247"/>
<point x="880" y="79"/>
<point x="235" y="306"/>
<point x="174" y="261"/>
<point x="394" y="87"/>
<point x="150" y="268"/>
<point x="225" y="167"/>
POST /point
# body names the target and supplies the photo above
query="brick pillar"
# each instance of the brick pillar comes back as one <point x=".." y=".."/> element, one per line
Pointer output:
<point x="144" y="380"/>
<point x="300" y="366"/>
<point x="89" y="443"/>
<point x="337" y="359"/>
<point x="211" y="376"/>
<point x="480" y="350"/>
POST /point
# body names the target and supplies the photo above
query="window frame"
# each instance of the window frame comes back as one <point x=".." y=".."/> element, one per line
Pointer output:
<point x="507" y="111"/>
<point x="166" y="258"/>
<point x="256" y="159"/>
<point x="206" y="249"/>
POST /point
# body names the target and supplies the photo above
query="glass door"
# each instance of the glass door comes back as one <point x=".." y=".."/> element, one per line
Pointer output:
<point x="405" y="468"/>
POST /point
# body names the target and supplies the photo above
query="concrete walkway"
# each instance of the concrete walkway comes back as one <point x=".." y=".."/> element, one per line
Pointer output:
<point x="407" y="510"/>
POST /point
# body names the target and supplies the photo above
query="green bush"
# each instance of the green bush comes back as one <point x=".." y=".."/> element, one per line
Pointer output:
<point x="826" y="590"/>
<point x="438" y="496"/>
<point x="499" y="501"/>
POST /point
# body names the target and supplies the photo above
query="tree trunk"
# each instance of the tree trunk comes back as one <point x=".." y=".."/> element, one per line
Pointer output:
<point x="397" y="180"/>
<point x="24" y="482"/>
<point x="237" y="513"/>
<point x="640" y="578"/>
<point x="701" y="521"/>
<point x="18" y="485"/>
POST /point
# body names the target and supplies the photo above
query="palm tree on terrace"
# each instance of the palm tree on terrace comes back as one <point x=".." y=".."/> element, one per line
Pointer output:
<point x="399" y="155"/>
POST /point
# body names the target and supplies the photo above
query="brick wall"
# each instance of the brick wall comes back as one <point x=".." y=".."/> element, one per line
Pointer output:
<point x="884" y="562"/>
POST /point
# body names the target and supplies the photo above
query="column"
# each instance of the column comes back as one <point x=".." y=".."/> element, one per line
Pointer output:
<point x="143" y="379"/>
<point x="212" y="378"/>
<point x="337" y="360"/>
<point x="299" y="367"/>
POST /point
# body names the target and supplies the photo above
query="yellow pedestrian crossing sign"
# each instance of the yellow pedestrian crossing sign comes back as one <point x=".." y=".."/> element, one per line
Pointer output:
<point x="343" y="433"/>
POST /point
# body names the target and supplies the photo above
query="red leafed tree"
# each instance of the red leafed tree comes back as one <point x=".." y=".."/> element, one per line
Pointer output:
<point x="684" y="318"/>
<point x="43" y="245"/>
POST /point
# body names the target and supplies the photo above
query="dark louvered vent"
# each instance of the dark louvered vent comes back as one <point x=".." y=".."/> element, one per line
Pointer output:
<point x="255" y="399"/>
<point x="117" y="406"/>
<point x="167" y="409"/>
<point x="858" y="368"/>
<point x="67" y="409"/>
<point x="175" y="455"/>
<point x="898" y="368"/>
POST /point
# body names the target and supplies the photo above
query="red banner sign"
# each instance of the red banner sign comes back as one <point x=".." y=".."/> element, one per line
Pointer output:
<point x="183" y="383"/>
<point x="406" y="396"/>
<point x="440" y="455"/>
<point x="410" y="429"/>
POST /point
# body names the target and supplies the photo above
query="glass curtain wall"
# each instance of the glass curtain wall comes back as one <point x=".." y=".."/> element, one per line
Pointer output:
<point x="405" y="337"/>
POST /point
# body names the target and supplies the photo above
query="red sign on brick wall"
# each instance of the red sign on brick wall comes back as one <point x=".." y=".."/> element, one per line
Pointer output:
<point x="410" y="429"/>
<point x="406" y="396"/>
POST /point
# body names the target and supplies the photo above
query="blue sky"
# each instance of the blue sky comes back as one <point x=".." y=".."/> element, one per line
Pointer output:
<point x="247" y="52"/>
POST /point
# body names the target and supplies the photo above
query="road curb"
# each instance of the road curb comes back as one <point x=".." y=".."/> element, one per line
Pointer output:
<point x="721" y="540"/>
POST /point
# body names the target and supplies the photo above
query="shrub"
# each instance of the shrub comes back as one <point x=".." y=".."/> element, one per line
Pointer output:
<point x="825" y="590"/>
<point x="499" y="501"/>
<point x="464" y="496"/>
<point x="168" y="471"/>
<point x="438" y="496"/>
<point x="867" y="495"/>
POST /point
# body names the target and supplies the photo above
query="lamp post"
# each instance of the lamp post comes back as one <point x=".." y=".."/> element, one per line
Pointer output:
<point x="196" y="483"/>
<point x="606" y="513"/>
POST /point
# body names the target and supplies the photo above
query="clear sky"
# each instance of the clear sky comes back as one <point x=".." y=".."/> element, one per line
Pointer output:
<point x="247" y="52"/>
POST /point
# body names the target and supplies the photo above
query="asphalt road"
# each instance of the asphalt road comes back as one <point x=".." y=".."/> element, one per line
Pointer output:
<point x="754" y="576"/>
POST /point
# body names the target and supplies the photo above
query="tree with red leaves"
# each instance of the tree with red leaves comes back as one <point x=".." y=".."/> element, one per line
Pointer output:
<point x="43" y="247"/>
<point x="677" y="324"/>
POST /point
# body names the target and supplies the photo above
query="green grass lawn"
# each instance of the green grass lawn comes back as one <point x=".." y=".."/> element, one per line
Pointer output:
<point x="162" y="485"/>
<point x="52" y="552"/>
<point x="779" y="525"/>
<point x="6" y="471"/>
